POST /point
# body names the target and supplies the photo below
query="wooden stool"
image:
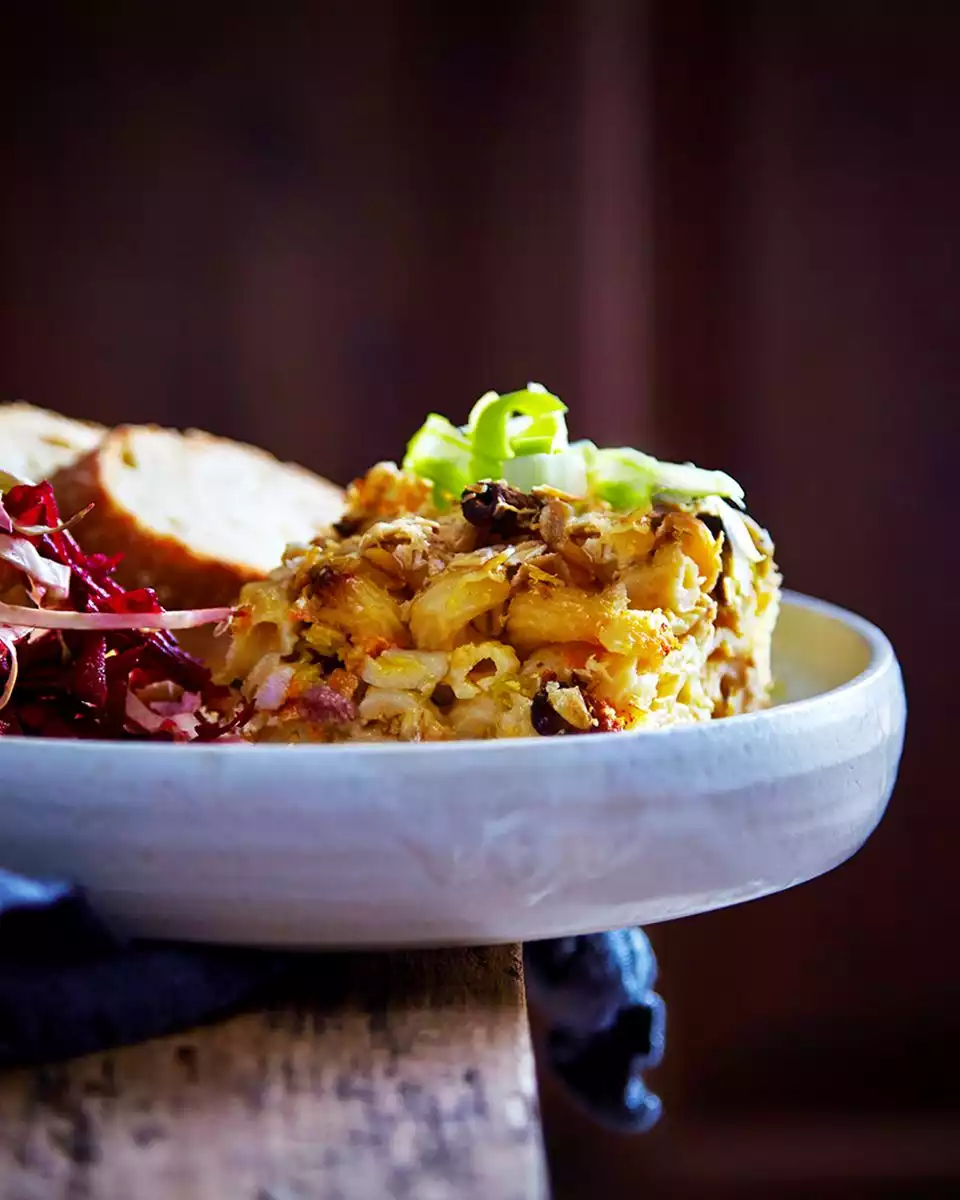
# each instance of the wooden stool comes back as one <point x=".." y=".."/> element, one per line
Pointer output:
<point x="372" y="1076"/>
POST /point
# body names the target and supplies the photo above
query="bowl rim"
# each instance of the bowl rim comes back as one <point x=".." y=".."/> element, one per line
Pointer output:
<point x="882" y="660"/>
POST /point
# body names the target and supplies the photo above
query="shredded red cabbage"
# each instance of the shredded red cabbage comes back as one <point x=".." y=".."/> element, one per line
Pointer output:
<point x="76" y="684"/>
<point x="323" y="705"/>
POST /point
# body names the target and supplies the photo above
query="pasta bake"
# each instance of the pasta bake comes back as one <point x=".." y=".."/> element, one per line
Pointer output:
<point x="503" y="582"/>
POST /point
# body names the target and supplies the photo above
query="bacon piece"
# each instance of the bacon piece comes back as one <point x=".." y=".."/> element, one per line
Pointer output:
<point x="500" y="509"/>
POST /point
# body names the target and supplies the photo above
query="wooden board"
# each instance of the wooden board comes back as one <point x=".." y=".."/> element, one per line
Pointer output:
<point x="400" y="1075"/>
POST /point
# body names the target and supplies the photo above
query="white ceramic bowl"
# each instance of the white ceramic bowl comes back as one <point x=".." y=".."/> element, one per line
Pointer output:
<point x="473" y="842"/>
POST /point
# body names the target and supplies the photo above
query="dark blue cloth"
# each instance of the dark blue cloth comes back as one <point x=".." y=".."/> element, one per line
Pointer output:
<point x="70" y="986"/>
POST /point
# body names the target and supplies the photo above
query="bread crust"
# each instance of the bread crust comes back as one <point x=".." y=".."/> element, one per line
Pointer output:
<point x="183" y="576"/>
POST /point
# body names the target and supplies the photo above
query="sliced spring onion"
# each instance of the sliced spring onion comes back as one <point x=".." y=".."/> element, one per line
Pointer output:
<point x="546" y="434"/>
<point x="566" y="471"/>
<point x="489" y="426"/>
<point x="624" y="481"/>
<point x="521" y="438"/>
<point x="627" y="478"/>
<point x="442" y="453"/>
<point x="477" y="411"/>
<point x="696" y="482"/>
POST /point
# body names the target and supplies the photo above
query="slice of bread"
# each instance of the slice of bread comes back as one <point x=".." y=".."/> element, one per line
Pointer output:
<point x="195" y="516"/>
<point x="35" y="443"/>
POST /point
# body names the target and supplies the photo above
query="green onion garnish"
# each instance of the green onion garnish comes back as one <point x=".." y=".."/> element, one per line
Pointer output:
<point x="521" y="438"/>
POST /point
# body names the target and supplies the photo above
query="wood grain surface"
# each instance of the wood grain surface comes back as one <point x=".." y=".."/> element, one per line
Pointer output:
<point x="366" y="1076"/>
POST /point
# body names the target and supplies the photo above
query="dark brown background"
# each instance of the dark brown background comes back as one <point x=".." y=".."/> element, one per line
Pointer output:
<point x="725" y="231"/>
